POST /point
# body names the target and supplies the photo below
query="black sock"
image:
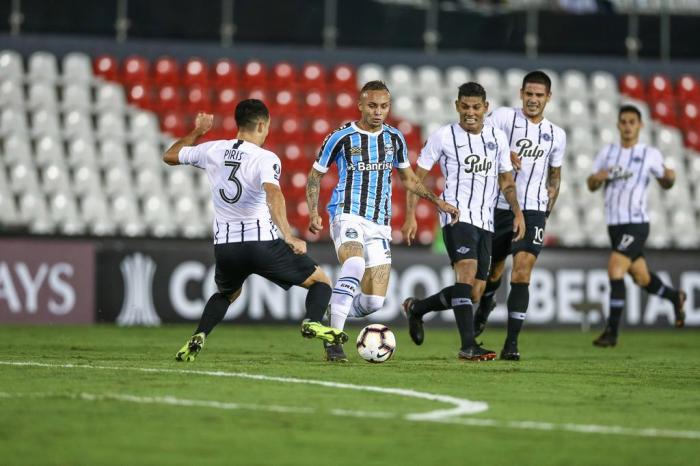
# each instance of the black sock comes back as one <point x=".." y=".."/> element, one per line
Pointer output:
<point x="617" y="304"/>
<point x="657" y="287"/>
<point x="488" y="297"/>
<point x="317" y="300"/>
<point x="518" y="300"/>
<point x="438" y="302"/>
<point x="214" y="312"/>
<point x="464" y="314"/>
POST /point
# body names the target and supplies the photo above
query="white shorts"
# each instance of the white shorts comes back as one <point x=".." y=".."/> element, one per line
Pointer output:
<point x="376" y="239"/>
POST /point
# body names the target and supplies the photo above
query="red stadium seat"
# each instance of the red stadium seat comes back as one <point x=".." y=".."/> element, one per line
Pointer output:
<point x="315" y="105"/>
<point x="165" y="72"/>
<point x="664" y="111"/>
<point x="224" y="127"/>
<point x="344" y="107"/>
<point x="632" y="86"/>
<point x="284" y="104"/>
<point x="226" y="74"/>
<point x="174" y="123"/>
<point x="690" y="116"/>
<point x="688" y="89"/>
<point x="196" y="73"/>
<point x="259" y="93"/>
<point x="660" y="88"/>
<point x="291" y="131"/>
<point x="168" y="99"/>
<point x="226" y="100"/>
<point x="254" y="75"/>
<point x="198" y="100"/>
<point x="135" y="69"/>
<point x="692" y="139"/>
<point x="317" y="132"/>
<point x="141" y="95"/>
<point x="313" y="77"/>
<point x="411" y="133"/>
<point x="343" y="79"/>
<point x="284" y="76"/>
<point x="294" y="158"/>
<point x="105" y="66"/>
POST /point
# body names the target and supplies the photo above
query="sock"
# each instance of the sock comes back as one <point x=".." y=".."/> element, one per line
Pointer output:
<point x="365" y="304"/>
<point x="317" y="301"/>
<point x="464" y="314"/>
<point x="214" y="312"/>
<point x="617" y="304"/>
<point x="488" y="297"/>
<point x="518" y="300"/>
<point x="345" y="289"/>
<point x="657" y="287"/>
<point x="438" y="302"/>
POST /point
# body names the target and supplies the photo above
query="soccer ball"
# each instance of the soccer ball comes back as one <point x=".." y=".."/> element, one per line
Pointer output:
<point x="376" y="343"/>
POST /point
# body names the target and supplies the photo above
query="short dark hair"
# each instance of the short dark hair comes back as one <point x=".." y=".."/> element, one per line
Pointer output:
<point x="249" y="112"/>
<point x="375" y="85"/>
<point x="538" y="77"/>
<point x="628" y="108"/>
<point x="471" y="89"/>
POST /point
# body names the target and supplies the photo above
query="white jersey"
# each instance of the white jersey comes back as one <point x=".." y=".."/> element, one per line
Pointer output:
<point x="470" y="164"/>
<point x="631" y="169"/>
<point x="539" y="146"/>
<point x="237" y="170"/>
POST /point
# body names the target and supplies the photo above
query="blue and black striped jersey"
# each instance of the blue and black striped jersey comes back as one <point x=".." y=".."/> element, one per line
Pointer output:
<point x="364" y="162"/>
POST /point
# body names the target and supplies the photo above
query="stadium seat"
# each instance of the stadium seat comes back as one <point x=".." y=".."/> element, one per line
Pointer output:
<point x="16" y="148"/>
<point x="369" y="72"/>
<point x="318" y="130"/>
<point x="603" y="86"/>
<point x="135" y="70"/>
<point x="166" y="72"/>
<point x="106" y="67"/>
<point x="42" y="67"/>
<point x="113" y="154"/>
<point x="110" y="97"/>
<point x="578" y="113"/>
<point x="490" y="78"/>
<point x="254" y="75"/>
<point x="111" y="125"/>
<point x="148" y="181"/>
<point x="77" y="69"/>
<point x="574" y="85"/>
<point x="401" y="80"/>
<point x="226" y="100"/>
<point x="169" y="99"/>
<point x="291" y="130"/>
<point x="13" y="121"/>
<point x="76" y="97"/>
<point x="11" y="66"/>
<point x="156" y="215"/>
<point x="343" y="78"/>
<point x="197" y="99"/>
<point x="23" y="179"/>
<point x="77" y="123"/>
<point x="315" y="105"/>
<point x="81" y="152"/>
<point x="404" y="107"/>
<point x="85" y="180"/>
<point x="11" y="94"/>
<point x="283" y="76"/>
<point x="688" y="89"/>
<point x="196" y="73"/>
<point x="32" y="206"/>
<point x="455" y="76"/>
<point x="8" y="208"/>
<point x="605" y="112"/>
<point x="45" y="123"/>
<point x="664" y="111"/>
<point x="143" y="126"/>
<point x="225" y="74"/>
<point x="42" y="95"/>
<point x="632" y="86"/>
<point x="660" y="88"/>
<point x="429" y="80"/>
<point x="513" y="79"/>
<point x="284" y="104"/>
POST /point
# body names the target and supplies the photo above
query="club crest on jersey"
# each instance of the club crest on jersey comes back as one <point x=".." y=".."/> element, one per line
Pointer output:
<point x="277" y="170"/>
<point x="351" y="233"/>
<point x="355" y="150"/>
<point x="491" y="145"/>
<point x="475" y="164"/>
<point x="547" y="137"/>
<point x="526" y="150"/>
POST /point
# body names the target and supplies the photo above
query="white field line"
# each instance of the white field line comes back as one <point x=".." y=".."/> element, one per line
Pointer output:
<point x="443" y="419"/>
<point x="460" y="405"/>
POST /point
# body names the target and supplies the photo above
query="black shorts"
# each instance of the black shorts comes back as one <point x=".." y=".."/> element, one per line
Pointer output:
<point x="465" y="241"/>
<point x="273" y="260"/>
<point x="503" y="243"/>
<point x="629" y="238"/>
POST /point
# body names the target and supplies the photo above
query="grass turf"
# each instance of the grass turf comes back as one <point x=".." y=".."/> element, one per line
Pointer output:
<point x="650" y="380"/>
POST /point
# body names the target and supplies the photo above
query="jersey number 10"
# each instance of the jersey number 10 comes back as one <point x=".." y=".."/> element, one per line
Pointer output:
<point x="232" y="177"/>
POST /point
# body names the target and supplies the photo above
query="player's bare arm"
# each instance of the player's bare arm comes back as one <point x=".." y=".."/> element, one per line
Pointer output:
<point x="313" y="188"/>
<point x="553" y="184"/>
<point x="410" y="226"/>
<point x="202" y="125"/>
<point x="597" y="180"/>
<point x="411" y="182"/>
<point x="668" y="180"/>
<point x="507" y="185"/>
<point x="278" y="212"/>
<point x="515" y="160"/>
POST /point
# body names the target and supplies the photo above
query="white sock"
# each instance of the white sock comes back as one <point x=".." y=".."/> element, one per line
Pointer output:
<point x="345" y="289"/>
<point x="365" y="304"/>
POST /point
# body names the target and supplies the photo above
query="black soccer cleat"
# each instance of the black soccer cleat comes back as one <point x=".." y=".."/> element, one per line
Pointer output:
<point x="335" y="353"/>
<point x="415" y="323"/>
<point x="678" y="311"/>
<point x="476" y="353"/>
<point x="481" y="317"/>
<point x="606" y="339"/>
<point x="510" y="352"/>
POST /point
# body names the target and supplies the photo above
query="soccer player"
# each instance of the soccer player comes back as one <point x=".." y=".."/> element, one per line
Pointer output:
<point x="624" y="170"/>
<point x="537" y="151"/>
<point x="475" y="161"/>
<point x="251" y="231"/>
<point x="365" y="152"/>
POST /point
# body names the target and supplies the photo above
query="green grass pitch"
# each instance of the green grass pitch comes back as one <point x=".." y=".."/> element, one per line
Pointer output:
<point x="87" y="398"/>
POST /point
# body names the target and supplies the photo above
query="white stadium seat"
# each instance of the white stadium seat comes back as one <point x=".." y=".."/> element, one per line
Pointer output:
<point x="11" y="66"/>
<point x="117" y="180"/>
<point x="11" y="94"/>
<point x="86" y="180"/>
<point x="23" y="179"/>
<point x="42" y="67"/>
<point x="111" y="125"/>
<point x="42" y="96"/>
<point x="13" y="122"/>
<point x="490" y="79"/>
<point x="113" y="153"/>
<point x="402" y="80"/>
<point x="369" y="72"/>
<point x="54" y="178"/>
<point x="81" y="152"/>
<point x="32" y="206"/>
<point x="146" y="154"/>
<point x="143" y="126"/>
<point x="514" y="80"/>
<point x="16" y="149"/>
<point x="404" y="106"/>
<point x="45" y="123"/>
<point x="110" y="98"/>
<point x="76" y="97"/>
<point x="77" y="68"/>
<point x="8" y="209"/>
<point x="148" y="181"/>
<point x="455" y="76"/>
<point x="603" y="86"/>
<point x="49" y="149"/>
<point x="429" y="79"/>
<point x="77" y="124"/>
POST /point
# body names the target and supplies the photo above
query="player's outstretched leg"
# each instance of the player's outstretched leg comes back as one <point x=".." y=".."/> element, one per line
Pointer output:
<point x="334" y="352"/>
<point x="214" y="312"/>
<point x="617" y="304"/>
<point x="677" y="297"/>
<point x="311" y="329"/>
<point x="414" y="310"/>
<point x="464" y="316"/>
<point x="518" y="300"/>
<point x="486" y="305"/>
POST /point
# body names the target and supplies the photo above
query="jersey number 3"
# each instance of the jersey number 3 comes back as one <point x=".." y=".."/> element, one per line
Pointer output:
<point x="232" y="177"/>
